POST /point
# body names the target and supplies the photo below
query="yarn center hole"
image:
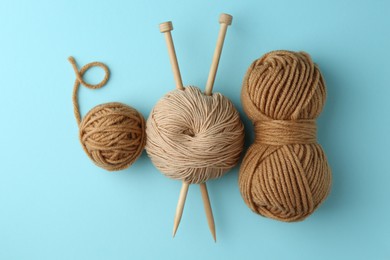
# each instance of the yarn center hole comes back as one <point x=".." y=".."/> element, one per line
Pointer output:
<point x="189" y="132"/>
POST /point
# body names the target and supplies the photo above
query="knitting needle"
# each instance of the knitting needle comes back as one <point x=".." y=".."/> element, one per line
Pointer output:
<point x="166" y="28"/>
<point x="208" y="210"/>
<point x="225" y="20"/>
<point x="180" y="206"/>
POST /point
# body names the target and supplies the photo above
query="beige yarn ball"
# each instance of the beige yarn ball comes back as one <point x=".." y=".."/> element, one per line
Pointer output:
<point x="194" y="137"/>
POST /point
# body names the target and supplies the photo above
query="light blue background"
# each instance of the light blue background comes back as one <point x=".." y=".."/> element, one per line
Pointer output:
<point x="56" y="204"/>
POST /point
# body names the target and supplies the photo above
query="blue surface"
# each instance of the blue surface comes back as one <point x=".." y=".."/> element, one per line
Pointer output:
<point x="56" y="204"/>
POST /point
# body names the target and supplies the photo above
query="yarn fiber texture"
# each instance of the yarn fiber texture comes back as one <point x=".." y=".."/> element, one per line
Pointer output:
<point x="111" y="134"/>
<point x="284" y="174"/>
<point x="194" y="137"/>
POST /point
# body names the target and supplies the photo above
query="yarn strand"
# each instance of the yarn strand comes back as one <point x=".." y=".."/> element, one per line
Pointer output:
<point x="79" y="80"/>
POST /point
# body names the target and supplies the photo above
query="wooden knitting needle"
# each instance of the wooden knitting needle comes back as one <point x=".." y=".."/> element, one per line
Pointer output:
<point x="208" y="210"/>
<point x="166" y="28"/>
<point x="180" y="206"/>
<point x="225" y="20"/>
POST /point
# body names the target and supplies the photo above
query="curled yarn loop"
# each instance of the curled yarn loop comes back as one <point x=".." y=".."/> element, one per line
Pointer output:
<point x="80" y="80"/>
<point x="194" y="137"/>
<point x="111" y="134"/>
<point x="284" y="174"/>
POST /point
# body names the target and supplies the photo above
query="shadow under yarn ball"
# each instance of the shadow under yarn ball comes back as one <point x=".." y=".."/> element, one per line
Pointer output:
<point x="112" y="135"/>
<point x="284" y="174"/>
<point x="194" y="137"/>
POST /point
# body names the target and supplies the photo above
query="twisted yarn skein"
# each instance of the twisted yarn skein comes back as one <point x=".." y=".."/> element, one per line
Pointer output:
<point x="194" y="137"/>
<point x="111" y="134"/>
<point x="284" y="174"/>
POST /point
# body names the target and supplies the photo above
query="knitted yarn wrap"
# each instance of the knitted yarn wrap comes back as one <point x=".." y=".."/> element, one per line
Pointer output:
<point x="111" y="134"/>
<point x="194" y="137"/>
<point x="284" y="174"/>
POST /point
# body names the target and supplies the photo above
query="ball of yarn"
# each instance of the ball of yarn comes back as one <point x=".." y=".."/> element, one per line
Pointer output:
<point x="194" y="137"/>
<point x="285" y="174"/>
<point x="113" y="135"/>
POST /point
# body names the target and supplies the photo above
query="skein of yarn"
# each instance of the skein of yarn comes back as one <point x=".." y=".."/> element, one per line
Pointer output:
<point x="285" y="174"/>
<point x="111" y="134"/>
<point x="194" y="137"/>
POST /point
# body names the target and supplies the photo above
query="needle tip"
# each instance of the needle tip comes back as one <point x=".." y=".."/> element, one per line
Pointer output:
<point x="174" y="231"/>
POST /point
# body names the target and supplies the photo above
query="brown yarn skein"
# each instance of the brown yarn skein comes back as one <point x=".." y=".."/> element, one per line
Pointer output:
<point x="111" y="134"/>
<point x="285" y="174"/>
<point x="194" y="137"/>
